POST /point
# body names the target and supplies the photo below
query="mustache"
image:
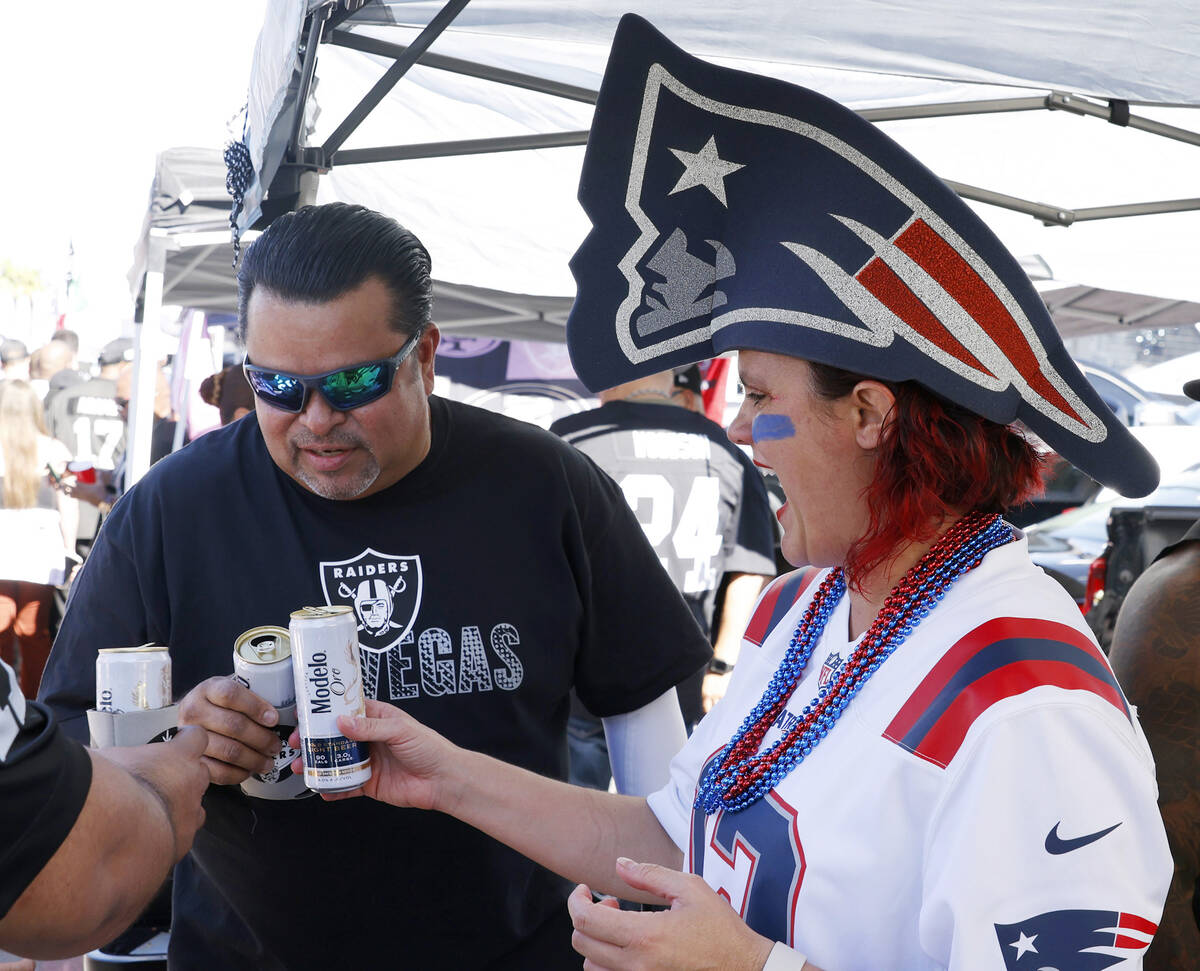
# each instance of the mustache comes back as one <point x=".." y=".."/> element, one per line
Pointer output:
<point x="328" y="441"/>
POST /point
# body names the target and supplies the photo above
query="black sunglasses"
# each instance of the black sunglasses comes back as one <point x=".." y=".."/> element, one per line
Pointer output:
<point x="345" y="388"/>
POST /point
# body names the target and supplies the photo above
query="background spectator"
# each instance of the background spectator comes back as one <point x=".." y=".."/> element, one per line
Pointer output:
<point x="46" y="362"/>
<point x="228" y="392"/>
<point x="14" y="360"/>
<point x="38" y="529"/>
<point x="86" y="419"/>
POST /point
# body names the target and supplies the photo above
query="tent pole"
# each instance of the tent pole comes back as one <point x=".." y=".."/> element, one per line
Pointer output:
<point x="471" y="69"/>
<point x="1137" y="209"/>
<point x="1081" y="106"/>
<point x="476" y="146"/>
<point x="1047" y="214"/>
<point x="307" y="69"/>
<point x="393" y="74"/>
<point x="145" y="363"/>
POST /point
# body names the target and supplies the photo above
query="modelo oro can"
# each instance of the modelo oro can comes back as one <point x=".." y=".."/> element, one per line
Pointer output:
<point x="262" y="661"/>
<point x="328" y="683"/>
<point x="133" y="678"/>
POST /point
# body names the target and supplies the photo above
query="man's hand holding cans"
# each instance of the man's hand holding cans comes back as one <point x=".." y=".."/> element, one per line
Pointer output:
<point x="240" y="725"/>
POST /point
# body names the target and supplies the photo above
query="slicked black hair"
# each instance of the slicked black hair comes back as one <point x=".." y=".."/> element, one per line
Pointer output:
<point x="318" y="253"/>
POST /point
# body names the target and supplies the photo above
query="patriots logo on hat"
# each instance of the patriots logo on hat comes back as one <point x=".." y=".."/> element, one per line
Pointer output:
<point x="731" y="211"/>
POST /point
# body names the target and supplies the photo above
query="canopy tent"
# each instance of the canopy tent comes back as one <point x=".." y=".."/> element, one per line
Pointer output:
<point x="185" y="240"/>
<point x="435" y="111"/>
<point x="467" y="122"/>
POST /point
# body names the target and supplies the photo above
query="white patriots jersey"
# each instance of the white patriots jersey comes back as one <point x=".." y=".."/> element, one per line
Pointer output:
<point x="987" y="801"/>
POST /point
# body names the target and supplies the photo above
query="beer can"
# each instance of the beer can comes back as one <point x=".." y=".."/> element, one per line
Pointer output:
<point x="262" y="661"/>
<point x="328" y="683"/>
<point x="133" y="678"/>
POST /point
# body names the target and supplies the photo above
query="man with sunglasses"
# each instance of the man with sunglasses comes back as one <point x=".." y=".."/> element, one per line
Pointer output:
<point x="491" y="568"/>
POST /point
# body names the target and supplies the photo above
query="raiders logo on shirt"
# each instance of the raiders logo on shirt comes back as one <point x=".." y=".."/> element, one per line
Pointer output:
<point x="383" y="590"/>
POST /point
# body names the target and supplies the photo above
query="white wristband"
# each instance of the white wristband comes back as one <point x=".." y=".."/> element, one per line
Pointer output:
<point x="783" y="958"/>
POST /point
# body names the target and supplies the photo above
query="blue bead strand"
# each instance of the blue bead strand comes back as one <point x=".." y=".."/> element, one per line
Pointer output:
<point x="741" y="774"/>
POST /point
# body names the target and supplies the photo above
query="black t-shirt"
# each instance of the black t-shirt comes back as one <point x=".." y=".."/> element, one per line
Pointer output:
<point x="497" y="574"/>
<point x="44" y="782"/>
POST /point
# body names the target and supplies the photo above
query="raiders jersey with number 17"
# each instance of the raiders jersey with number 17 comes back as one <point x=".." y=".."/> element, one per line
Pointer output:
<point x="985" y="803"/>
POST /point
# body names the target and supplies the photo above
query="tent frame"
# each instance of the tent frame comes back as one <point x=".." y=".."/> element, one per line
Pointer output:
<point x="324" y="26"/>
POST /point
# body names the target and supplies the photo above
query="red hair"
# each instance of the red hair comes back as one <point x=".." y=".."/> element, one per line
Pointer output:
<point x="935" y="459"/>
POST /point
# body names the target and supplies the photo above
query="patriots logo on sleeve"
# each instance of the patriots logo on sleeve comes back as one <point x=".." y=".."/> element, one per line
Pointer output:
<point x="731" y="211"/>
<point x="1073" y="940"/>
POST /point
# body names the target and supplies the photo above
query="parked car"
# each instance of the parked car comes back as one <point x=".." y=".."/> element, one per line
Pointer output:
<point x="1135" y="537"/>
<point x="1133" y="404"/>
<point x="1068" y="546"/>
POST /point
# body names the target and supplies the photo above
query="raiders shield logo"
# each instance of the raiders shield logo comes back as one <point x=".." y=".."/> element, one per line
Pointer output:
<point x="384" y="590"/>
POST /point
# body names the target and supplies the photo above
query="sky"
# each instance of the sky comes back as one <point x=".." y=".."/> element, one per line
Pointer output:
<point x="93" y="92"/>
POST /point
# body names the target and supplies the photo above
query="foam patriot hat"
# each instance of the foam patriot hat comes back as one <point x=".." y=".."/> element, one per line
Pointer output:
<point x="731" y="210"/>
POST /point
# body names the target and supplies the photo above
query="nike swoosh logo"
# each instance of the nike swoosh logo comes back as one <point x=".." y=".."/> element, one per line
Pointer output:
<point x="1056" y="845"/>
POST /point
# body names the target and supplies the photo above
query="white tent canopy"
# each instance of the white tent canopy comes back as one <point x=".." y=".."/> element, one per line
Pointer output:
<point x="507" y="221"/>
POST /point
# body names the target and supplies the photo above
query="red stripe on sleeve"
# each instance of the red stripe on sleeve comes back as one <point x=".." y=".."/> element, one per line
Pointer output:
<point x="942" y="262"/>
<point x="1132" y="922"/>
<point x="760" y="623"/>
<point x="756" y="630"/>
<point x="894" y="294"/>
<point x="943" y="740"/>
<point x="966" y="648"/>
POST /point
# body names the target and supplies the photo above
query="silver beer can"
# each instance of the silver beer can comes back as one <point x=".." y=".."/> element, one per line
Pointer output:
<point x="328" y="683"/>
<point x="262" y="661"/>
<point x="133" y="678"/>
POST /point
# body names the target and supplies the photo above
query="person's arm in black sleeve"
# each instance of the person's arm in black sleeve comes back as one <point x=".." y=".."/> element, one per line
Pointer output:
<point x="87" y="838"/>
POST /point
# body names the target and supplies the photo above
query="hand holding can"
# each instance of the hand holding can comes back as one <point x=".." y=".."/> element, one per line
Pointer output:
<point x="328" y="678"/>
<point x="262" y="661"/>
<point x="240" y="726"/>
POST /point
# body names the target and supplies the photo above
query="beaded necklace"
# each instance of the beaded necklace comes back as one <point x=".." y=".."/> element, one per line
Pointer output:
<point x="741" y="774"/>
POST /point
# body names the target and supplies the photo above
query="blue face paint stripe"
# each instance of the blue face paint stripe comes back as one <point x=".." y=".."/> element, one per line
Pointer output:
<point x="771" y="428"/>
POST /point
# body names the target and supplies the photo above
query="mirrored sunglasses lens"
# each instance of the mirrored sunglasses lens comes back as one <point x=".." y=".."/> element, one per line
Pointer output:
<point x="356" y="386"/>
<point x="280" y="390"/>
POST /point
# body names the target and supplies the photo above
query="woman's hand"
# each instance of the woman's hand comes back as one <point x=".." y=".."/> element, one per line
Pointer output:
<point x="405" y="757"/>
<point x="700" y="930"/>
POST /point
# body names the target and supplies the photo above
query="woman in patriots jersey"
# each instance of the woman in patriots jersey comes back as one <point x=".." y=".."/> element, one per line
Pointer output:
<point x="923" y="760"/>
